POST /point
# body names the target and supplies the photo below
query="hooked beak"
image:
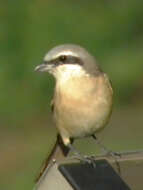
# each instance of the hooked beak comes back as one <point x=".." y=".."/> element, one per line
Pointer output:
<point x="44" y="67"/>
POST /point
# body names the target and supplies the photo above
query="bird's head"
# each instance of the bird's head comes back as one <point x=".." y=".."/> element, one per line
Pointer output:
<point x="67" y="60"/>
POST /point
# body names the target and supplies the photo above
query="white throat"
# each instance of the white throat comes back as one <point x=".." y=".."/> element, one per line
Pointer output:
<point x="65" y="72"/>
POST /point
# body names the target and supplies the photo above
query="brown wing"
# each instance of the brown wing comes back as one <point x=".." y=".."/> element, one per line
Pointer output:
<point x="52" y="106"/>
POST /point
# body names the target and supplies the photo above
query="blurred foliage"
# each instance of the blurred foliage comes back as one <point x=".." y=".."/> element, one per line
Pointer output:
<point x="110" y="30"/>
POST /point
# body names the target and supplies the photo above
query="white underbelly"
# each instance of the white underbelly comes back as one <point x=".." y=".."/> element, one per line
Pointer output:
<point x="84" y="108"/>
<point x="84" y="120"/>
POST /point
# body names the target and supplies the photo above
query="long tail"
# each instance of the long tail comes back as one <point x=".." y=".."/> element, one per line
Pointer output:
<point x="59" y="151"/>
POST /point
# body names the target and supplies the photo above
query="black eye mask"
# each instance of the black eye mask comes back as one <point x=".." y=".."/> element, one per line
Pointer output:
<point x="65" y="60"/>
<point x="70" y="60"/>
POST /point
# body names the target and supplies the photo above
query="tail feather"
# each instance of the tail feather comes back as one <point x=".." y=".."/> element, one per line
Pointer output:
<point x="59" y="151"/>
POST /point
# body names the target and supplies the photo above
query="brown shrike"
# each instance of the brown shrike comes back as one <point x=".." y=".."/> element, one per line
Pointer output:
<point x="82" y="101"/>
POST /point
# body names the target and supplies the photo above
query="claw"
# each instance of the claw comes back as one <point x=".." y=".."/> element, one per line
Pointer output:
<point x="90" y="160"/>
<point x="113" y="154"/>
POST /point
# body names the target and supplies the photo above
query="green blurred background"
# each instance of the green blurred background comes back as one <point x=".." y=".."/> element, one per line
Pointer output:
<point x="110" y="30"/>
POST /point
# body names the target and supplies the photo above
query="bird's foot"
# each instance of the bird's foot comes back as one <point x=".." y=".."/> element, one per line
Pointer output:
<point x="91" y="160"/>
<point x="115" y="156"/>
<point x="112" y="153"/>
<point x="87" y="160"/>
<point x="81" y="157"/>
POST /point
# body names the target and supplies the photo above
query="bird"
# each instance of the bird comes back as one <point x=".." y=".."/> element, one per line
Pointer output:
<point x="82" y="100"/>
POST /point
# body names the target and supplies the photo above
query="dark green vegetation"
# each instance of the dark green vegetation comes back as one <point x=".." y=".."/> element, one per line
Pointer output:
<point x="110" y="30"/>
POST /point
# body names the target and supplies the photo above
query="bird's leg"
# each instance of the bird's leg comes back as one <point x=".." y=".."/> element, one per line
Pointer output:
<point x="81" y="157"/>
<point x="108" y="152"/>
<point x="105" y="149"/>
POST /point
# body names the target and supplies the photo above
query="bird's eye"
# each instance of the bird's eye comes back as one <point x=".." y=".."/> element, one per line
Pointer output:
<point x="63" y="58"/>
